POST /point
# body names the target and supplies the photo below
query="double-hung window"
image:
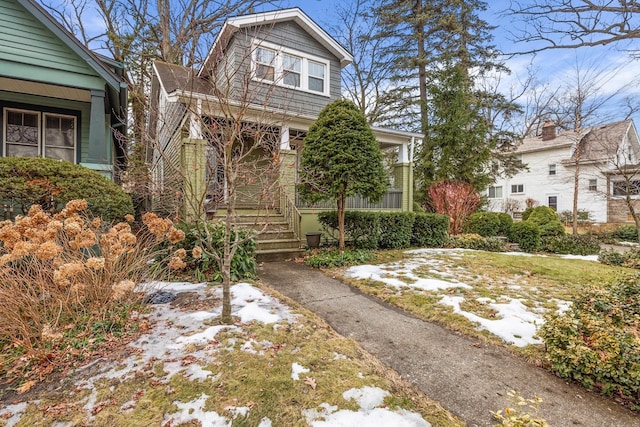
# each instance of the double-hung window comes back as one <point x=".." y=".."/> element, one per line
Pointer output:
<point x="290" y="68"/>
<point x="495" y="192"/>
<point x="517" y="188"/>
<point x="37" y="134"/>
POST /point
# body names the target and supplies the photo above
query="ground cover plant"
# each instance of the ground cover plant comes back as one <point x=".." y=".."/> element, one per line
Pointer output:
<point x="492" y="296"/>
<point x="278" y="364"/>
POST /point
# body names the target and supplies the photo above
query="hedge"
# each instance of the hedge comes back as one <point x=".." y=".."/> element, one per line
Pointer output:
<point x="388" y="230"/>
<point x="485" y="224"/>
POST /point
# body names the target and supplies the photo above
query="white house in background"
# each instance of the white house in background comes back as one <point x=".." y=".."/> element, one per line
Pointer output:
<point x="551" y="163"/>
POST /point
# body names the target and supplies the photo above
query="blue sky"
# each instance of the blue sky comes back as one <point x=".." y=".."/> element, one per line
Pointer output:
<point x="552" y="67"/>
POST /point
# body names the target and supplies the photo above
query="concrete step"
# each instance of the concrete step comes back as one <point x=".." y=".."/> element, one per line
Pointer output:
<point x="278" y="244"/>
<point x="273" y="255"/>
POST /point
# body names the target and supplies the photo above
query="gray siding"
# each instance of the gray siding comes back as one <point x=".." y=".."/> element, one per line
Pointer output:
<point x="289" y="35"/>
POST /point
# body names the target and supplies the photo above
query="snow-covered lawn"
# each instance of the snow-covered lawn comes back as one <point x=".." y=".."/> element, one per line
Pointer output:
<point x="509" y="309"/>
<point x="186" y="344"/>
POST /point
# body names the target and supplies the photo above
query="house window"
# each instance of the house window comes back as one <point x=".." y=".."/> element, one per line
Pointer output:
<point x="593" y="185"/>
<point x="35" y="134"/>
<point x="265" y="64"/>
<point x="621" y="188"/>
<point x="553" y="202"/>
<point x="495" y="192"/>
<point x="290" y="68"/>
<point x="517" y="189"/>
<point x="316" y="76"/>
<point x="552" y="169"/>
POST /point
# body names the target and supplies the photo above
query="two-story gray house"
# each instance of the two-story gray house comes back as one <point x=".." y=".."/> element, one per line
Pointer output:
<point x="263" y="83"/>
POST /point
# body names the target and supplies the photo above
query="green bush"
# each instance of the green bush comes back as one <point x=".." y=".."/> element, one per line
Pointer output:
<point x="477" y="242"/>
<point x="333" y="258"/>
<point x="626" y="233"/>
<point x="361" y="229"/>
<point x="486" y="224"/>
<point x="526" y="234"/>
<point x="610" y="257"/>
<point x="395" y="230"/>
<point x="570" y="244"/>
<point x="541" y="215"/>
<point x="429" y="230"/>
<point x="547" y="220"/>
<point x="527" y="213"/>
<point x="596" y="341"/>
<point x="552" y="228"/>
<point x="505" y="223"/>
<point x="206" y="268"/>
<point x="52" y="183"/>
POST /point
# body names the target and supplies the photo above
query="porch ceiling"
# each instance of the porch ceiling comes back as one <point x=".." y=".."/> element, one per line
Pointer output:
<point x="44" y="89"/>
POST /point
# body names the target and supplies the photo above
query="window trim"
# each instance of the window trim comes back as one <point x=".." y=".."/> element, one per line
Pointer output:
<point x="557" y="201"/>
<point x="592" y="184"/>
<point x="553" y="169"/>
<point x="495" y="196"/>
<point x="517" y="192"/>
<point x="41" y="113"/>
<point x="279" y="69"/>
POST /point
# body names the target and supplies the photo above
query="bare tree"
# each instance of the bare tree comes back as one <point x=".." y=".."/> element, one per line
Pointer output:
<point x="553" y="24"/>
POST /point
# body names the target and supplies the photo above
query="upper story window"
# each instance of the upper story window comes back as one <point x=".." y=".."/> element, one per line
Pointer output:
<point x="552" y="169"/>
<point x="593" y="185"/>
<point x="265" y="64"/>
<point x="35" y="134"/>
<point x="290" y="68"/>
<point x="517" y="188"/>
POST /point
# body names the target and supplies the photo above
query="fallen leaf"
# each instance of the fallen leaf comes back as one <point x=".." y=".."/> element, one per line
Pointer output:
<point x="26" y="386"/>
<point x="310" y="382"/>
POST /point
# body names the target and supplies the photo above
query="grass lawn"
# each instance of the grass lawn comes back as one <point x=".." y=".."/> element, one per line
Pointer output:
<point x="498" y="297"/>
<point x="278" y="364"/>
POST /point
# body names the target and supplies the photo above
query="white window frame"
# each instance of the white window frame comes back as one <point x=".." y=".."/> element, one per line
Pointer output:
<point x="517" y="192"/>
<point x="553" y="169"/>
<point x="278" y="64"/>
<point x="74" y="133"/>
<point x="593" y="184"/>
<point x="494" y="188"/>
<point x="557" y="201"/>
<point x="41" y="123"/>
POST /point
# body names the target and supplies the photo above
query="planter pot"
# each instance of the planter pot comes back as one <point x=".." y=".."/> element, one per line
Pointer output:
<point x="313" y="240"/>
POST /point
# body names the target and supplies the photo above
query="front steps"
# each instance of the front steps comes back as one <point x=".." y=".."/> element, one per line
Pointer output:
<point x="278" y="242"/>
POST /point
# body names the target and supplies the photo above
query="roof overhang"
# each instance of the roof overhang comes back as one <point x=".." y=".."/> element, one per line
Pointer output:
<point x="74" y="44"/>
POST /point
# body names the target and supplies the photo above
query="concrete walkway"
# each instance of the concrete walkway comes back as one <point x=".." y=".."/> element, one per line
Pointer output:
<point x="466" y="377"/>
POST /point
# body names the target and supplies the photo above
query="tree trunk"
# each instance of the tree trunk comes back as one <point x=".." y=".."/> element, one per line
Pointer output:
<point x="341" y="199"/>
<point x="576" y="189"/>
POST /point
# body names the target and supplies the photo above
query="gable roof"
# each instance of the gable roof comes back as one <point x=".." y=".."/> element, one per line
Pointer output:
<point x="232" y="25"/>
<point x="598" y="142"/>
<point x="102" y="69"/>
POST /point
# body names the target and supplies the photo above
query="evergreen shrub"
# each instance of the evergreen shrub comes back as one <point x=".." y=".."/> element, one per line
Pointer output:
<point x="52" y="183"/>
<point x="477" y="242"/>
<point x="429" y="230"/>
<point x="526" y="234"/>
<point x="395" y="229"/>
<point x="570" y="244"/>
<point x="505" y="223"/>
<point x="596" y="341"/>
<point x="626" y="233"/>
<point x="486" y="224"/>
<point x="361" y="229"/>
<point x="205" y="267"/>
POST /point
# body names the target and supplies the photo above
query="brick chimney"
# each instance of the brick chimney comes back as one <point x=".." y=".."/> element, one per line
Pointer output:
<point x="548" y="131"/>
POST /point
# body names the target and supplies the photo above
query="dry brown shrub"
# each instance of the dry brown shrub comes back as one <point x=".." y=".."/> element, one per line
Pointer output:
<point x="59" y="270"/>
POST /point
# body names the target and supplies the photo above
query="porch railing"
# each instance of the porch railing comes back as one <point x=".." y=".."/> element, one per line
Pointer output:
<point x="391" y="200"/>
<point x="291" y="214"/>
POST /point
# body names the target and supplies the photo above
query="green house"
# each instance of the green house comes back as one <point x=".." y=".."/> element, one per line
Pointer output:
<point x="58" y="99"/>
<point x="264" y="82"/>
